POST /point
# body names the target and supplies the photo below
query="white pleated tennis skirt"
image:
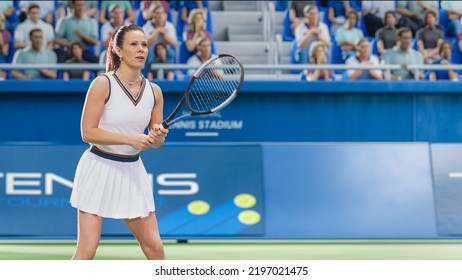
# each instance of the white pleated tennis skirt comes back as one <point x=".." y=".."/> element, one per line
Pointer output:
<point x="112" y="189"/>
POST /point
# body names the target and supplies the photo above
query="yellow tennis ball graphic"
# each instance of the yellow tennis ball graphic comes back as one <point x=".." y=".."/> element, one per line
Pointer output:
<point x="198" y="207"/>
<point x="249" y="217"/>
<point x="245" y="200"/>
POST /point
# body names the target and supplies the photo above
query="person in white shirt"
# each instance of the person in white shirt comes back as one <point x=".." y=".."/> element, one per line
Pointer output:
<point x="312" y="30"/>
<point x="160" y="30"/>
<point x="33" y="21"/>
<point x="348" y="35"/>
<point x="108" y="29"/>
<point x="110" y="179"/>
<point x="47" y="9"/>
<point x="204" y="53"/>
<point x="364" y="57"/>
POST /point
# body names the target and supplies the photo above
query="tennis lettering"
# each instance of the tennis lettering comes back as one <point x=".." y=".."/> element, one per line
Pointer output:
<point x="36" y="183"/>
<point x="29" y="183"/>
<point x="179" y="187"/>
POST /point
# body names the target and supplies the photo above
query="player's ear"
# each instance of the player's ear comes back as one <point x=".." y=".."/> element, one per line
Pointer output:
<point x="118" y="51"/>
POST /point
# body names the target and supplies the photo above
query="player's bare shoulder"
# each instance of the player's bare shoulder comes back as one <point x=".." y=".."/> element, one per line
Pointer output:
<point x="100" y="87"/>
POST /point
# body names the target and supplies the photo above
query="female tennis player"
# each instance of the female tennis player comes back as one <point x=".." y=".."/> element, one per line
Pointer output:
<point x="110" y="179"/>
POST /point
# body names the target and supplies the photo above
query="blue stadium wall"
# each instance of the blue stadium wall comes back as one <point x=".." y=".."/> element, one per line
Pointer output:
<point x="343" y="160"/>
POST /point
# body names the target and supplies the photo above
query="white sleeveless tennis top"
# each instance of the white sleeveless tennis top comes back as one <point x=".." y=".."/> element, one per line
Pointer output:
<point x="126" y="113"/>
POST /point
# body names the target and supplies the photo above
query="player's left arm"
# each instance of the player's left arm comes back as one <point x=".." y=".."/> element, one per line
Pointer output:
<point x="157" y="132"/>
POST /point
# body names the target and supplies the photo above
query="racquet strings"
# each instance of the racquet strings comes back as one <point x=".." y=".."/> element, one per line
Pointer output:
<point x="216" y="84"/>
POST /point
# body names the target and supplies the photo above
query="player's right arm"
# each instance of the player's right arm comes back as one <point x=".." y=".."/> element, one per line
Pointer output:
<point x="97" y="95"/>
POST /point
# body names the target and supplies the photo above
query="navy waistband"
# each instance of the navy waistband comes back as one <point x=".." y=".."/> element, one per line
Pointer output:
<point x="115" y="157"/>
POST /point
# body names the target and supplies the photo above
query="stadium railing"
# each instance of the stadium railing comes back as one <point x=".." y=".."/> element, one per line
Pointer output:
<point x="275" y="68"/>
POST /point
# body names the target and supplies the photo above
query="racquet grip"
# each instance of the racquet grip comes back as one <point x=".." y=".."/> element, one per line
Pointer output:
<point x="165" y="125"/>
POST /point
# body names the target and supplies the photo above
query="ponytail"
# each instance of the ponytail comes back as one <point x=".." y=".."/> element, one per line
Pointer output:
<point x="112" y="59"/>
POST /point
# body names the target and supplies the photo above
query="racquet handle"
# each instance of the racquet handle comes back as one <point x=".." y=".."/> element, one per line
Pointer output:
<point x="165" y="125"/>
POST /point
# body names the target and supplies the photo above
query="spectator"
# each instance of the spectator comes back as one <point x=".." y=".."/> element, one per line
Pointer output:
<point x="91" y="8"/>
<point x="204" y="53"/>
<point x="348" y="35"/>
<point x="5" y="38"/>
<point x="296" y="12"/>
<point x="403" y="55"/>
<point x="386" y="36"/>
<point x="196" y="30"/>
<point x="429" y="38"/>
<point x="374" y="14"/>
<point x="311" y="31"/>
<point x="36" y="54"/>
<point x="160" y="50"/>
<point x="412" y="13"/>
<point x="445" y="52"/>
<point x="77" y="27"/>
<point x="77" y="52"/>
<point x="33" y="21"/>
<point x="147" y="8"/>
<point x="337" y="13"/>
<point x="318" y="56"/>
<point x="125" y="5"/>
<point x="188" y="6"/>
<point x="454" y="11"/>
<point x="160" y="30"/>
<point x="109" y="28"/>
<point x="364" y="57"/>
<point x="47" y="10"/>
<point x="9" y="12"/>
<point x="430" y="6"/>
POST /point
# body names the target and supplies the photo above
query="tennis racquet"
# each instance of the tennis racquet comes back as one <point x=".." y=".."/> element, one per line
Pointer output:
<point x="212" y="87"/>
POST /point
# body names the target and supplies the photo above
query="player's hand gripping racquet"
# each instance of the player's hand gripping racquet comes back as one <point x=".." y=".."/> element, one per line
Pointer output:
<point x="212" y="87"/>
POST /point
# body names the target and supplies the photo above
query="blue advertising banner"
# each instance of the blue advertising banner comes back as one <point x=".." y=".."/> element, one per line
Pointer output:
<point x="199" y="191"/>
<point x="35" y="186"/>
<point x="216" y="190"/>
<point x="309" y="112"/>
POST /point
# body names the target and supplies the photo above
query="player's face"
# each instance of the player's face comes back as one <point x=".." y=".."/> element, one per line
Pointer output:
<point x="135" y="48"/>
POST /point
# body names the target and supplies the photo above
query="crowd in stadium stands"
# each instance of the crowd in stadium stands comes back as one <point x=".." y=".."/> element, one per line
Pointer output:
<point x="378" y="32"/>
<point x="354" y="32"/>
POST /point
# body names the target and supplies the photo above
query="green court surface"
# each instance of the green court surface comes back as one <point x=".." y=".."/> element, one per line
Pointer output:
<point x="247" y="250"/>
